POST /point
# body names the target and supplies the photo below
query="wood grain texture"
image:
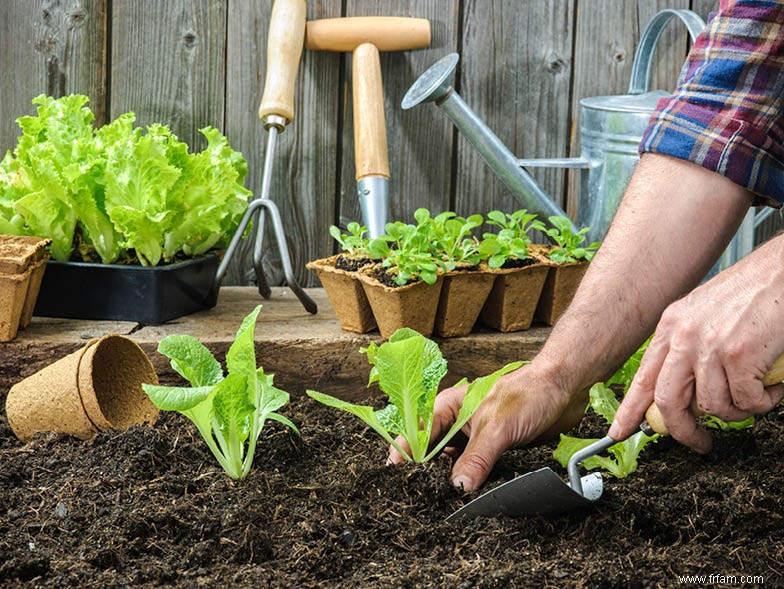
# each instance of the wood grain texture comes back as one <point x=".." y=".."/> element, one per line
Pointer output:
<point x="607" y="33"/>
<point x="303" y="178"/>
<point x="301" y="350"/>
<point x="515" y="74"/>
<point x="704" y="7"/>
<point x="50" y="46"/>
<point x="419" y="140"/>
<point x="168" y="64"/>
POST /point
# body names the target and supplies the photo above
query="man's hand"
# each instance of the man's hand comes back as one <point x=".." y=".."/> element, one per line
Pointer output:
<point x="715" y="344"/>
<point x="670" y="207"/>
<point x="523" y="407"/>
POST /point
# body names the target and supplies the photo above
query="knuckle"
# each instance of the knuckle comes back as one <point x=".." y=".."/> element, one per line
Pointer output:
<point x="670" y="319"/>
<point x="734" y="353"/>
<point x="475" y="462"/>
<point x="645" y="380"/>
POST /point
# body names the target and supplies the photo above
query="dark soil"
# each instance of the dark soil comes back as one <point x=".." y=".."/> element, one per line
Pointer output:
<point x="149" y="507"/>
<point x="385" y="278"/>
<point x="352" y="263"/>
<point x="519" y="262"/>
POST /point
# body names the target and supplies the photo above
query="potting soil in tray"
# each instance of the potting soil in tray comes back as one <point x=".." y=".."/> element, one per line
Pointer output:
<point x="150" y="507"/>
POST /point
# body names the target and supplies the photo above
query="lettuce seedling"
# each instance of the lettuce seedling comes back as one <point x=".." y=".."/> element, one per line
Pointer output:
<point x="406" y="253"/>
<point x="453" y="241"/>
<point x="512" y="240"/>
<point x="622" y="460"/>
<point x="623" y="455"/>
<point x="408" y="369"/>
<point x="353" y="243"/>
<point x="230" y="411"/>
<point x="569" y="246"/>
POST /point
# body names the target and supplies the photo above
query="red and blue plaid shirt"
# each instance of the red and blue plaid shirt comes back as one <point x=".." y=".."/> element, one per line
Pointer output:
<point x="727" y="113"/>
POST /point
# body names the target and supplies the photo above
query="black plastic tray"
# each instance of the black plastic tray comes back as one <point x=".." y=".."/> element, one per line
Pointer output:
<point x="128" y="293"/>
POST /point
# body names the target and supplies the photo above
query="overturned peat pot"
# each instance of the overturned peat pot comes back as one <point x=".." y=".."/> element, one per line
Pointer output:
<point x="150" y="507"/>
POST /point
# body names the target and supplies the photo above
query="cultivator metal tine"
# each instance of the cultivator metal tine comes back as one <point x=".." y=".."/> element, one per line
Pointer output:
<point x="258" y="205"/>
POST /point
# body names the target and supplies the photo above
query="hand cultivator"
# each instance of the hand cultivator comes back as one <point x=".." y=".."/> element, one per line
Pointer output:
<point x="284" y="47"/>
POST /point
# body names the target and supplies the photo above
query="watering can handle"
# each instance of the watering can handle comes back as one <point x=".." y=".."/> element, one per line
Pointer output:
<point x="643" y="58"/>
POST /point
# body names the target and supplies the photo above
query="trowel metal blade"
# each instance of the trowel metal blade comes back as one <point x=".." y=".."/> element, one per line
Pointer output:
<point x="541" y="492"/>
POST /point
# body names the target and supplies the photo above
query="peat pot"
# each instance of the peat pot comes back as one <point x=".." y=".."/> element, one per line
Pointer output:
<point x="413" y="305"/>
<point x="515" y="295"/>
<point x="346" y="295"/>
<point x="462" y="297"/>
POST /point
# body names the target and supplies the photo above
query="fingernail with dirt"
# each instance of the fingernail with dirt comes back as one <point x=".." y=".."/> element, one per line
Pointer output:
<point x="463" y="483"/>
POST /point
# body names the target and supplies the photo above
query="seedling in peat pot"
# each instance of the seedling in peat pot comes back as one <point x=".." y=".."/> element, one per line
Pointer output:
<point x="512" y="240"/>
<point x="408" y="369"/>
<point x="451" y="237"/>
<point x="410" y="257"/>
<point x="569" y="246"/>
<point x="230" y="411"/>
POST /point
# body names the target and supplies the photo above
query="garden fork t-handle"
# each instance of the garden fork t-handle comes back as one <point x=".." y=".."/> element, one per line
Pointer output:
<point x="365" y="37"/>
<point x="654" y="423"/>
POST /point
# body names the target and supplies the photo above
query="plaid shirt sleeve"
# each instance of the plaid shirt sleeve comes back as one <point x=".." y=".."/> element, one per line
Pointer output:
<point x="727" y="113"/>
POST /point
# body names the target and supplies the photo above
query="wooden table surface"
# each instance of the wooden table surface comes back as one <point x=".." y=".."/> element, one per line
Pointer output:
<point x="302" y="350"/>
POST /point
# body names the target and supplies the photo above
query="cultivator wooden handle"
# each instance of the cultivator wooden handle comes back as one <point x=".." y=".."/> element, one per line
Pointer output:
<point x="284" y="48"/>
<point x="654" y="419"/>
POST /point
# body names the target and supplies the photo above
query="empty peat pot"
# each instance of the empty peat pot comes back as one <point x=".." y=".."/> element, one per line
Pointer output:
<point x="94" y="389"/>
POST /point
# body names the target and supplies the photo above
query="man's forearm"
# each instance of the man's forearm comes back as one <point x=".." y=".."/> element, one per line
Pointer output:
<point x="675" y="220"/>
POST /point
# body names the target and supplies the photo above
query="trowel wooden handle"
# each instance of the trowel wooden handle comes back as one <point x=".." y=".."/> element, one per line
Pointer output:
<point x="284" y="48"/>
<point x="370" y="132"/>
<point x="387" y="33"/>
<point x="654" y="417"/>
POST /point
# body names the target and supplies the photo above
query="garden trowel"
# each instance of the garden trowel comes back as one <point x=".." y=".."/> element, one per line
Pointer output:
<point x="543" y="492"/>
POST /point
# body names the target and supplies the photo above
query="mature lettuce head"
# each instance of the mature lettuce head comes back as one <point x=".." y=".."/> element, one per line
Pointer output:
<point x="118" y="191"/>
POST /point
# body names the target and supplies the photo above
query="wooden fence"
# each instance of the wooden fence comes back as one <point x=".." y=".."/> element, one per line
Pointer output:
<point x="189" y="63"/>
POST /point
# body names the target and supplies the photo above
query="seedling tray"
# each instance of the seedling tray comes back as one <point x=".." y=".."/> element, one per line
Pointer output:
<point x="117" y="292"/>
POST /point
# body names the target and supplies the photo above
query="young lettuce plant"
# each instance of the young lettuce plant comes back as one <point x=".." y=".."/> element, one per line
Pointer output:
<point x="453" y="239"/>
<point x="569" y="246"/>
<point x="118" y="192"/>
<point x="229" y="411"/>
<point x="512" y="240"/>
<point x="623" y="455"/>
<point x="353" y="243"/>
<point x="406" y="253"/>
<point x="622" y="459"/>
<point x="408" y="369"/>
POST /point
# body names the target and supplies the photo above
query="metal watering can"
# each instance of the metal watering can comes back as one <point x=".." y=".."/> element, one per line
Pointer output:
<point x="611" y="131"/>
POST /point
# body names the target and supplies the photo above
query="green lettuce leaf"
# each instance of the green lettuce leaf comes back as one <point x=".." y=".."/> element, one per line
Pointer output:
<point x="408" y="368"/>
<point x="192" y="360"/>
<point x="118" y="191"/>
<point x="228" y="412"/>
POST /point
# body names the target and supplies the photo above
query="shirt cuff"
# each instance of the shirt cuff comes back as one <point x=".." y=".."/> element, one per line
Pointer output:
<point x="705" y="136"/>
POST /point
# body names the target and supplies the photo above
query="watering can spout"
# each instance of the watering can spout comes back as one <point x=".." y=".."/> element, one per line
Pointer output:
<point x="435" y="85"/>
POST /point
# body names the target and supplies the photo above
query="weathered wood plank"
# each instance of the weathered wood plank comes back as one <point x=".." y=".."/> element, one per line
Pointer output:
<point x="419" y="140"/>
<point x="516" y="69"/>
<point x="704" y="7"/>
<point x="50" y="46"/>
<point x="605" y="43"/>
<point x="302" y="350"/>
<point x="168" y="64"/>
<point x="303" y="179"/>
